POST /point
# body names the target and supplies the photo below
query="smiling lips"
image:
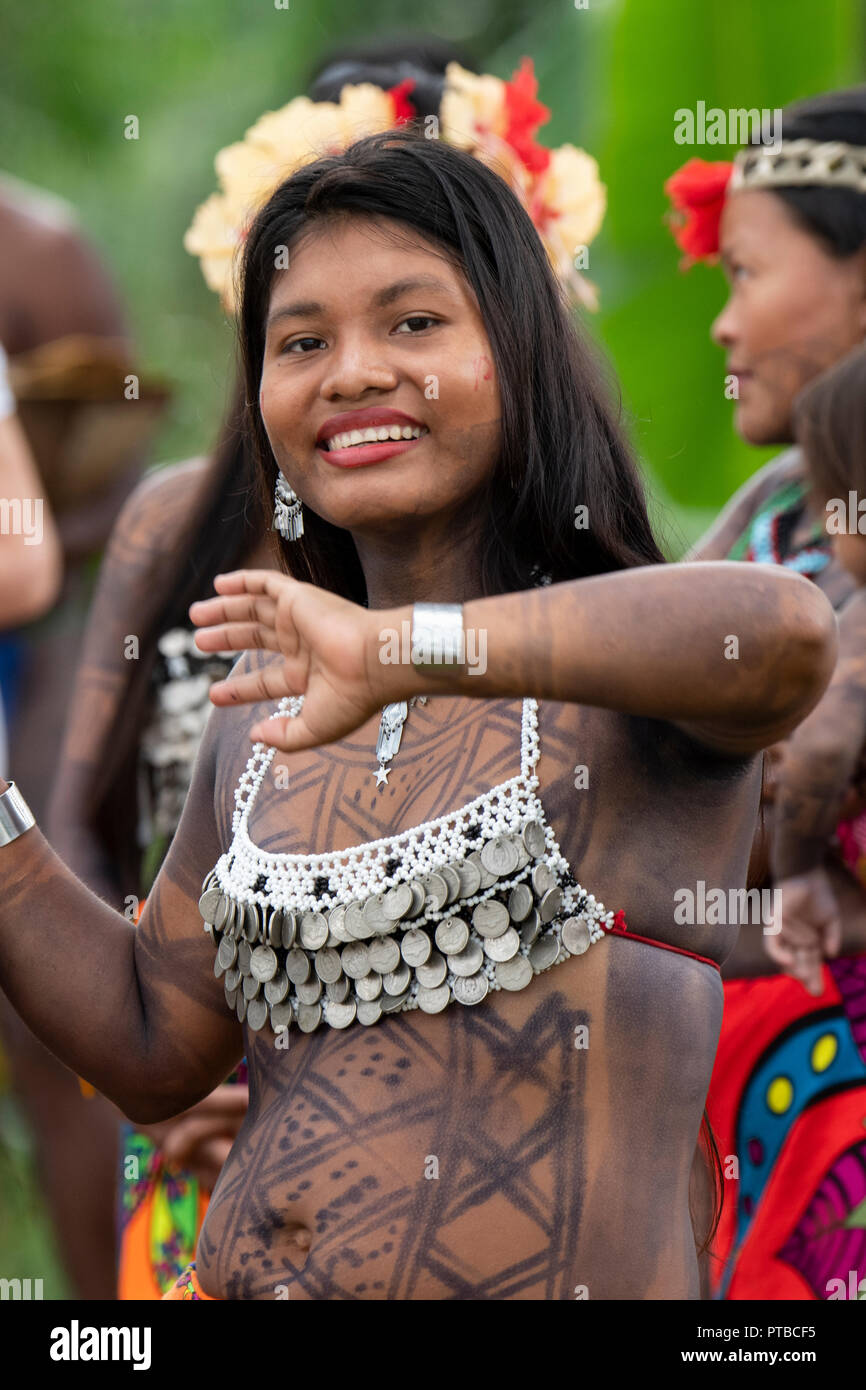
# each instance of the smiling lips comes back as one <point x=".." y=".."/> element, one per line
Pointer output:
<point x="360" y="437"/>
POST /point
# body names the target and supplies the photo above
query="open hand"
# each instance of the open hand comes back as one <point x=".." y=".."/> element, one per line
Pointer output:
<point x="810" y="930"/>
<point x="328" y="650"/>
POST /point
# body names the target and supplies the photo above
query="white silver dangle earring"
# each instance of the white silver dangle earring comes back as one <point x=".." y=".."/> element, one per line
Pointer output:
<point x="288" y="513"/>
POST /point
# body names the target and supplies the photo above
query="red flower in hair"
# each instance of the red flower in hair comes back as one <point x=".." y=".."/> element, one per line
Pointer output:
<point x="697" y="191"/>
<point x="525" y="115"/>
<point x="403" y="109"/>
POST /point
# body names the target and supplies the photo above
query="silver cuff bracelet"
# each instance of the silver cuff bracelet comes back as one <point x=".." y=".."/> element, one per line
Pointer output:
<point x="438" y="639"/>
<point x="15" y="815"/>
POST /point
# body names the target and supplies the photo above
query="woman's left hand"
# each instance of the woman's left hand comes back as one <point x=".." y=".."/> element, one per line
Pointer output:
<point x="328" y="650"/>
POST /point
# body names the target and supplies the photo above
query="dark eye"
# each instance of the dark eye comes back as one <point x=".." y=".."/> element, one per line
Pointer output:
<point x="417" y="319"/>
<point x="296" y="342"/>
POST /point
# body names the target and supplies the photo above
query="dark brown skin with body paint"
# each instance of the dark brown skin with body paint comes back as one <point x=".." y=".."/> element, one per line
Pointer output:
<point x="562" y="1168"/>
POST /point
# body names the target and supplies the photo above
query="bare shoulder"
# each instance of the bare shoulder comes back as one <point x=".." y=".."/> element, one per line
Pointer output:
<point x="738" y="511"/>
<point x="160" y="506"/>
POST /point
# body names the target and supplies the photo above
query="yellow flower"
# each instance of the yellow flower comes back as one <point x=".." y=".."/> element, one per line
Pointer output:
<point x="470" y="106"/>
<point x="572" y="187"/>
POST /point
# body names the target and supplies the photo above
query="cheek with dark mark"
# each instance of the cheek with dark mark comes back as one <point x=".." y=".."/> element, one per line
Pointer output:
<point x="483" y="369"/>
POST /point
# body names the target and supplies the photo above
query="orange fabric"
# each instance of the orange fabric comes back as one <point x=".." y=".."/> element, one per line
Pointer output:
<point x="135" y="1278"/>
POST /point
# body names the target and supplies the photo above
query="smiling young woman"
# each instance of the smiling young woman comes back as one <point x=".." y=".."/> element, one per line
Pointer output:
<point x="472" y="1076"/>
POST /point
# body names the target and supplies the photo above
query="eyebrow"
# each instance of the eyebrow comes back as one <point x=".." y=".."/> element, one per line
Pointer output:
<point x="380" y="300"/>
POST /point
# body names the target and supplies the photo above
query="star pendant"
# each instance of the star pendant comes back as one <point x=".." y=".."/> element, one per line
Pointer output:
<point x="381" y="775"/>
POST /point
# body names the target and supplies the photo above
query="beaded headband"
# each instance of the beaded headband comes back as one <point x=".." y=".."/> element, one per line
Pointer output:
<point x="698" y="189"/>
<point x="493" y="120"/>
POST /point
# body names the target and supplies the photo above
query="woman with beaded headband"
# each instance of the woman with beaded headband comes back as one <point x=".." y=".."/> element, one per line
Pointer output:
<point x="464" y="1002"/>
<point x="128" y="754"/>
<point x="789" y="1086"/>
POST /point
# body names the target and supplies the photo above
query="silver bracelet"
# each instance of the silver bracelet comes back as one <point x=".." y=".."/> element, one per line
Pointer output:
<point x="438" y="639"/>
<point x="15" y="815"/>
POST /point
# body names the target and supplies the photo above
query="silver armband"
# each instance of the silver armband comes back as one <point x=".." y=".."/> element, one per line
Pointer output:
<point x="15" y="815"/>
<point x="438" y="639"/>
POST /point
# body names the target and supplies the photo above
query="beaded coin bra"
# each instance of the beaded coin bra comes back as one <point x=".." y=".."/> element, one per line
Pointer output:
<point x="478" y="900"/>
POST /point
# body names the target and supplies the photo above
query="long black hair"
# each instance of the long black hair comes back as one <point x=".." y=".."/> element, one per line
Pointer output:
<point x="562" y="447"/>
<point x="836" y="216"/>
<point x="231" y="517"/>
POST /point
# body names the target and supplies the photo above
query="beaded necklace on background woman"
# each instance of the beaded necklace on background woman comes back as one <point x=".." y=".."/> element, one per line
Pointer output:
<point x="790" y="227"/>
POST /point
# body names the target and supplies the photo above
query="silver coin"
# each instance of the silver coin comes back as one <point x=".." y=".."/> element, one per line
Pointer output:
<point x="353" y="922"/>
<point x="369" y="987"/>
<point x="383" y="954"/>
<point x="257" y="1014"/>
<point x="368" y="1011"/>
<point x="272" y="927"/>
<point x="282" y="1015"/>
<point x="419" y="898"/>
<point x="341" y="1015"/>
<point x="436" y="890"/>
<point x="290" y="928"/>
<point x="491" y="918"/>
<point x="252" y="921"/>
<point x="398" y="902"/>
<point x="523" y="855"/>
<point x="467" y="961"/>
<point x="227" y="953"/>
<point x="297" y="966"/>
<point x="531" y="928"/>
<point x="452" y="879"/>
<point x="415" y="947"/>
<point x="328" y="964"/>
<point x="337" y="923"/>
<point x="487" y="879"/>
<point x="433" y="1001"/>
<point x="389" y="1003"/>
<point x="233" y="978"/>
<point x="333" y="942"/>
<point x="277" y="988"/>
<point x="520" y="902"/>
<point x="339" y="990"/>
<point x="503" y="947"/>
<point x="264" y="964"/>
<point x="432" y="973"/>
<point x="550" y="904"/>
<point x="534" y="839"/>
<point x="241" y="1006"/>
<point x="471" y="989"/>
<point x="250" y="986"/>
<point x="452" y="935"/>
<point x="221" y="912"/>
<point x="375" y="921"/>
<point x="355" y="960"/>
<point x="514" y="974"/>
<point x="314" y="930"/>
<point x="210" y="933"/>
<point x="542" y="880"/>
<point x="232" y="997"/>
<point x="310" y="992"/>
<point x="245" y="956"/>
<point x="575" y="936"/>
<point x="208" y="904"/>
<point x="309" y="1017"/>
<point x="209" y="880"/>
<point x="218" y="968"/>
<point x="499" y="856"/>
<point x="545" y="951"/>
<point x="397" y="981"/>
<point x="470" y="877"/>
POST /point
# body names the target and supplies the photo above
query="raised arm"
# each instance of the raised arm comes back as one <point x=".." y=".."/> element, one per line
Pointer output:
<point x="734" y="655"/>
<point x="134" y="1010"/>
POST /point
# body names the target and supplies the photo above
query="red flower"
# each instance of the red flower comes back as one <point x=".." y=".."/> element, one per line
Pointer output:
<point x="403" y="108"/>
<point x="697" y="191"/>
<point x="525" y="115"/>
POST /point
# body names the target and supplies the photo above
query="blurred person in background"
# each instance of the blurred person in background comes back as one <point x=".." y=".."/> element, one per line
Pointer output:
<point x="788" y="1095"/>
<point x="134" y="726"/>
<point x="63" y="328"/>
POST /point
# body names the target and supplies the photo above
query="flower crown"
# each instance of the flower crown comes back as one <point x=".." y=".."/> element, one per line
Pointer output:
<point x="698" y="189"/>
<point x="493" y="120"/>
